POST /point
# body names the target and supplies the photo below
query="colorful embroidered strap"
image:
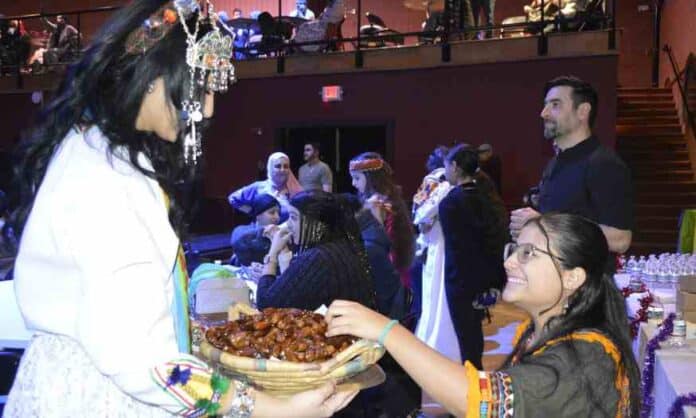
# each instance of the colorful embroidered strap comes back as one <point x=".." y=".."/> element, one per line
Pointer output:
<point x="182" y="321"/>
<point x="190" y="381"/>
<point x="489" y="394"/>
<point x="180" y="307"/>
<point x="193" y="385"/>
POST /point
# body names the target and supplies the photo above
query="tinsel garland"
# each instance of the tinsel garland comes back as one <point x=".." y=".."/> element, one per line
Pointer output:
<point x="648" y="378"/>
<point x="645" y="302"/>
<point x="677" y="409"/>
<point x="627" y="291"/>
<point x="642" y="314"/>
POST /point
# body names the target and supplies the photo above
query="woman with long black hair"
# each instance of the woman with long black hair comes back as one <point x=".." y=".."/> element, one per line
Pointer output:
<point x="372" y="178"/>
<point x="474" y="237"/>
<point x="572" y="358"/>
<point x="329" y="259"/>
<point x="99" y="274"/>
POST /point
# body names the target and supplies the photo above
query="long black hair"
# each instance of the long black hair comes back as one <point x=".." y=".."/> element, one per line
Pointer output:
<point x="402" y="234"/>
<point x="492" y="216"/>
<point x="336" y="214"/>
<point x="597" y="304"/>
<point x="332" y="211"/>
<point x="105" y="88"/>
<point x="466" y="158"/>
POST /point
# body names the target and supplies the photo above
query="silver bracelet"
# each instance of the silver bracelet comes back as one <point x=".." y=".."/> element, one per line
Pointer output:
<point x="242" y="405"/>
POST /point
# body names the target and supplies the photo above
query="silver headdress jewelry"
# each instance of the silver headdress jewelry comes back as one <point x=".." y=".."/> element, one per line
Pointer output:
<point x="209" y="59"/>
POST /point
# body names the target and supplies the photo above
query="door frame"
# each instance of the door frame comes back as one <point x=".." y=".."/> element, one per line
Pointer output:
<point x="388" y="124"/>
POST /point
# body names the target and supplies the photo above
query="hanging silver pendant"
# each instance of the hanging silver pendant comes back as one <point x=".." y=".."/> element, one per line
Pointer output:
<point x="192" y="140"/>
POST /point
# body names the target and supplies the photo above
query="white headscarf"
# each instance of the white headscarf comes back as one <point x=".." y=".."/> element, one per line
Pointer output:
<point x="291" y="184"/>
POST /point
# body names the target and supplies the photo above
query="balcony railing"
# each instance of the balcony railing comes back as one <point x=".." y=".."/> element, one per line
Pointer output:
<point x="601" y="16"/>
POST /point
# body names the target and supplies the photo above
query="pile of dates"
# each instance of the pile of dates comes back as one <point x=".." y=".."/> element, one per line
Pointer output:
<point x="280" y="333"/>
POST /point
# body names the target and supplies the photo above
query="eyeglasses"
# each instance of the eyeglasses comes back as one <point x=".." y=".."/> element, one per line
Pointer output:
<point x="525" y="252"/>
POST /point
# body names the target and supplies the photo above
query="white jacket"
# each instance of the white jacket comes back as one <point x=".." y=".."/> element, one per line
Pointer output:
<point x="95" y="264"/>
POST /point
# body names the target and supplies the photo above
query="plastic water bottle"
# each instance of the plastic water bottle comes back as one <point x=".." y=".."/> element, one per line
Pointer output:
<point x="678" y="337"/>
<point x="631" y="264"/>
<point x="641" y="263"/>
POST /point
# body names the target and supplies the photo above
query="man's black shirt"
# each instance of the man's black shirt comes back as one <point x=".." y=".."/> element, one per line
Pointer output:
<point x="589" y="180"/>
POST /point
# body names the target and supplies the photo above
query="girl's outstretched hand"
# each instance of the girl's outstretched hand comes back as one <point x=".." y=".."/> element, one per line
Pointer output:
<point x="351" y="318"/>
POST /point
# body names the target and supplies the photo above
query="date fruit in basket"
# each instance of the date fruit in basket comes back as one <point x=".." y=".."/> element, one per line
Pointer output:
<point x="281" y="333"/>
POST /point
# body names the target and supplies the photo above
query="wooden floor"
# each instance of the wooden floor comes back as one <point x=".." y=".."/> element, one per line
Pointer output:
<point x="497" y="345"/>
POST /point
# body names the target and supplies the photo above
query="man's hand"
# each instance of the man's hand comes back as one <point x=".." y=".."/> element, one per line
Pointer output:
<point x="518" y="218"/>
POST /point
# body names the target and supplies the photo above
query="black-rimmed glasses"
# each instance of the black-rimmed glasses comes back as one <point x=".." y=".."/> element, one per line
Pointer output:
<point x="525" y="252"/>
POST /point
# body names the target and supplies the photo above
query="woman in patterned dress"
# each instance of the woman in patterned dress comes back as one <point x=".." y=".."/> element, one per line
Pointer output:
<point x="572" y="358"/>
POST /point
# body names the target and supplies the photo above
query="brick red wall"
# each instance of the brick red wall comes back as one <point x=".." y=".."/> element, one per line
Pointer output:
<point x="635" y="48"/>
<point x="496" y="103"/>
<point x="478" y="103"/>
<point x="674" y="33"/>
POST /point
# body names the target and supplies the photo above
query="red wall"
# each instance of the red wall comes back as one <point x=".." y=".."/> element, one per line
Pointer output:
<point x="674" y="33"/>
<point x="497" y="103"/>
<point x="16" y="115"/>
<point x="494" y="103"/>
<point x="636" y="40"/>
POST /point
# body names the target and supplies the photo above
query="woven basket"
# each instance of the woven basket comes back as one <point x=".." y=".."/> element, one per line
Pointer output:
<point x="285" y="377"/>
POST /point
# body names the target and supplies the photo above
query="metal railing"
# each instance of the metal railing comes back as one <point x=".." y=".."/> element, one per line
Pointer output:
<point x="40" y="39"/>
<point x="444" y="37"/>
<point x="687" y="74"/>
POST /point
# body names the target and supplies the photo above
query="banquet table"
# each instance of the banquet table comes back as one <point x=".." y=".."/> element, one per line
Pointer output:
<point x="674" y="375"/>
<point x="665" y="294"/>
<point x="675" y="368"/>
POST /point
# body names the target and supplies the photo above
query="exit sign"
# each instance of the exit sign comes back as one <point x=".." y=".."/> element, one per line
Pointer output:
<point x="331" y="94"/>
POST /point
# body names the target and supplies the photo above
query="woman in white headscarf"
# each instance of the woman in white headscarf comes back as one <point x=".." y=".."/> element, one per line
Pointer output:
<point x="280" y="183"/>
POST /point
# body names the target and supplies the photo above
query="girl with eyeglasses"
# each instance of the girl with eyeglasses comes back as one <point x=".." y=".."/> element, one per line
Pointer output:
<point x="571" y="358"/>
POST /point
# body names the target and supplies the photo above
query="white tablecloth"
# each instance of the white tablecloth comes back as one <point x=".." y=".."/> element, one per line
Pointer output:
<point x="665" y="294"/>
<point x="674" y="375"/>
<point x="674" y="369"/>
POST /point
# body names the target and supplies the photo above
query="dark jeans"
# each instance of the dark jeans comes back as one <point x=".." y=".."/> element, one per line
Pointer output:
<point x="488" y="7"/>
<point x="466" y="321"/>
